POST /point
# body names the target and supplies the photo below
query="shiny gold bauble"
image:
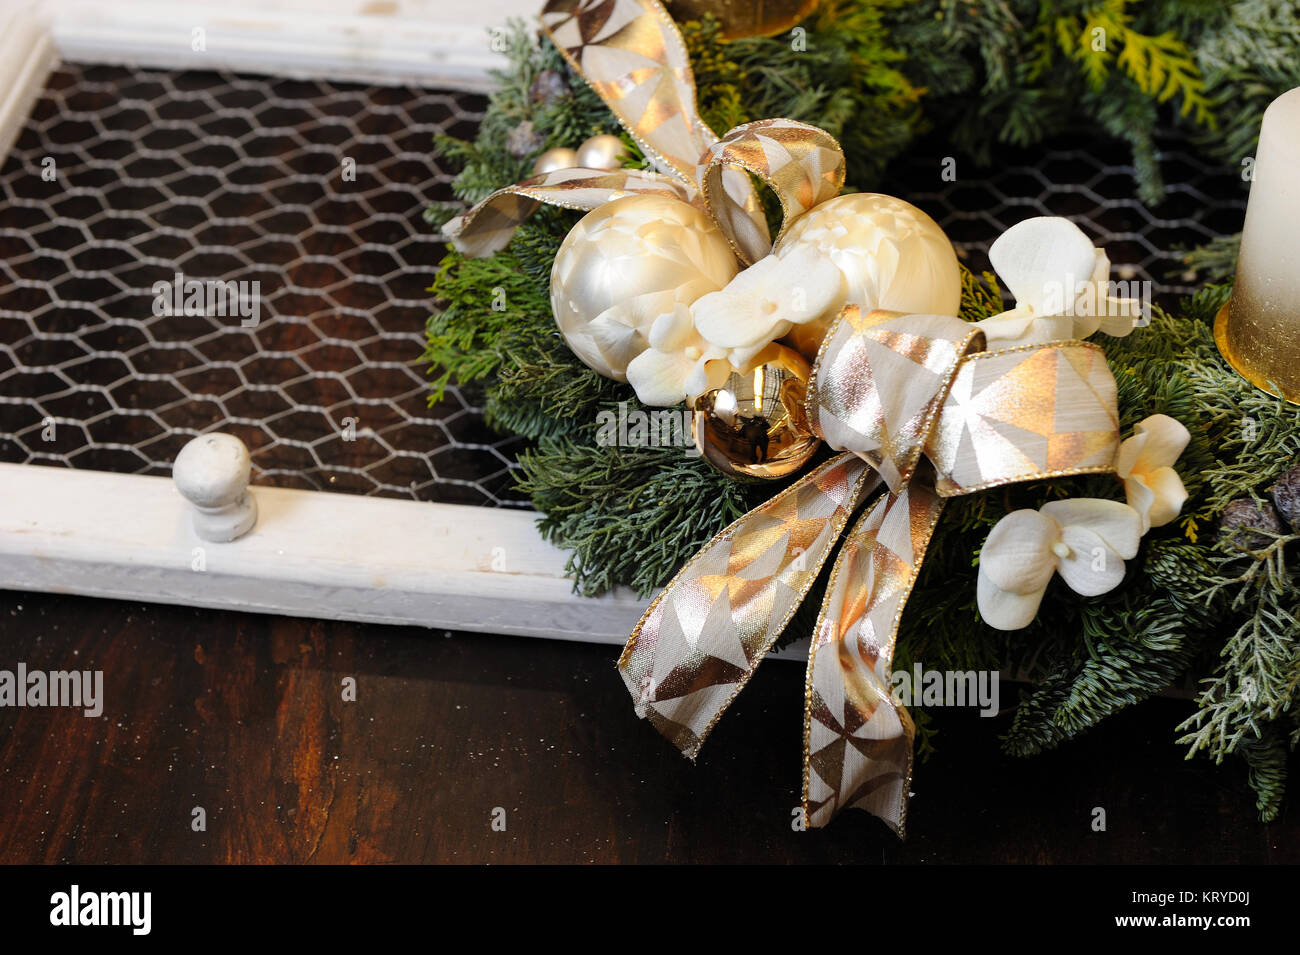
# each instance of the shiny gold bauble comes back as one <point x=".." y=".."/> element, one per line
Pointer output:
<point x="602" y="152"/>
<point x="554" y="160"/>
<point x="755" y="426"/>
<point x="891" y="254"/>
<point x="745" y="17"/>
<point x="626" y="263"/>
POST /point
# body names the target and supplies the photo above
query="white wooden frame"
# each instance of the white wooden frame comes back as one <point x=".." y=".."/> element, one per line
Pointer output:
<point x="311" y="553"/>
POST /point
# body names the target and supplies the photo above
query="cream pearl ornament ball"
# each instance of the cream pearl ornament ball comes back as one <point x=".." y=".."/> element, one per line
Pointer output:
<point x="602" y="152"/>
<point x="626" y="263"/>
<point x="892" y="256"/>
<point x="554" y="160"/>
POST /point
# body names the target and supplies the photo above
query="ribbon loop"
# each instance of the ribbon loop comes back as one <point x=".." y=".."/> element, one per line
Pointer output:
<point x="879" y="382"/>
<point x="632" y="54"/>
<point x="1026" y="414"/>
<point x="489" y="226"/>
<point x="802" y="164"/>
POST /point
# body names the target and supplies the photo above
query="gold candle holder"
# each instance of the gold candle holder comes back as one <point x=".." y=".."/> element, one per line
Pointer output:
<point x="1258" y="330"/>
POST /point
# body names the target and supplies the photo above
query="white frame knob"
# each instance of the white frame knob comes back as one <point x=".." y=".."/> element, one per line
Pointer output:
<point x="212" y="473"/>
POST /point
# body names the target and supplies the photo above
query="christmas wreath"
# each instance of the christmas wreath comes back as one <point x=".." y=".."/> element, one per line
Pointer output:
<point x="1149" y="542"/>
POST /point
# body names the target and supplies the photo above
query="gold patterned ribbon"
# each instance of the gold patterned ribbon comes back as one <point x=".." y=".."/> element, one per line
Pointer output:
<point x="921" y="410"/>
<point x="910" y="399"/>
<point x="632" y="54"/>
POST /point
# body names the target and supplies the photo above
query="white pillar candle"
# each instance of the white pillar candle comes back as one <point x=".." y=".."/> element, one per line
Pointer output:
<point x="1262" y="334"/>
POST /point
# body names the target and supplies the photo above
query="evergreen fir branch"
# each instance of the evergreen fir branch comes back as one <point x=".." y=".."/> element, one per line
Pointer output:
<point x="1266" y="761"/>
<point x="627" y="515"/>
<point x="1216" y="261"/>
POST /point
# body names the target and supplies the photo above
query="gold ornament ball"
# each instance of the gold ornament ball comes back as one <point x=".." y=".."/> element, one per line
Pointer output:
<point x="555" y="159"/>
<point x="626" y="263"/>
<point x="602" y="152"/>
<point x="740" y="18"/>
<point x="892" y="256"/>
<point x="755" y="427"/>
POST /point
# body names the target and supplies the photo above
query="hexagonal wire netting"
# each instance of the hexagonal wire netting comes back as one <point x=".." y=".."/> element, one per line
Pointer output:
<point x="235" y="178"/>
<point x="243" y="179"/>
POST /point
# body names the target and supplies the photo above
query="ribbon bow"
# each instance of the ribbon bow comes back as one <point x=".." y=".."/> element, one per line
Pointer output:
<point x="912" y="400"/>
<point x="633" y="56"/>
<point x="920" y="410"/>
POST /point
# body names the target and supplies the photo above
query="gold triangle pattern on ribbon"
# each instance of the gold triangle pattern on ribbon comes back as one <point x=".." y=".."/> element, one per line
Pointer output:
<point x="857" y="736"/>
<point x="802" y="164"/>
<point x="706" y="632"/>
<point x="1027" y="413"/>
<point x="879" y="382"/>
<point x="488" y="227"/>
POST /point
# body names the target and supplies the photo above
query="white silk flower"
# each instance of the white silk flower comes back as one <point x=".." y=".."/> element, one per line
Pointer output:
<point x="1085" y="540"/>
<point x="1060" y="282"/>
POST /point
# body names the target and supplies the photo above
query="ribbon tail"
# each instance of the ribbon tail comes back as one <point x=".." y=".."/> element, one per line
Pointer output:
<point x="488" y="227"/>
<point x="857" y="736"/>
<point x="707" y="631"/>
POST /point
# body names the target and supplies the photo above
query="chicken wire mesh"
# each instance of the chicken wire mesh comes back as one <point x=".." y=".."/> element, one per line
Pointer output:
<point x="235" y="178"/>
<point x="313" y="190"/>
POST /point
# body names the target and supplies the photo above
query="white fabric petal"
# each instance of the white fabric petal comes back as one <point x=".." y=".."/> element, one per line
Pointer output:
<point x="1168" y="496"/>
<point x="672" y="331"/>
<point x="758" y="279"/>
<point x="1101" y="267"/>
<point x="728" y="319"/>
<point x="1084" y="325"/>
<point x="1140" y="498"/>
<point x="1119" y="316"/>
<point x="1166" y="439"/>
<point x="1004" y="610"/>
<point x="809" y="284"/>
<point x="745" y="358"/>
<point x="1020" y="326"/>
<point x="1017" y="555"/>
<point x="1128" y="455"/>
<point x="659" y="377"/>
<point x="697" y="382"/>
<point x="1118" y="525"/>
<point x="1091" y="567"/>
<point x="1043" y="261"/>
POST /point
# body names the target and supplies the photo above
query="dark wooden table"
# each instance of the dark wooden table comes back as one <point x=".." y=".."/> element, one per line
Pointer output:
<point x="243" y="716"/>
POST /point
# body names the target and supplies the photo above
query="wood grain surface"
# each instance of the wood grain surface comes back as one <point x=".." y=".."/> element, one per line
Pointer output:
<point x="243" y="716"/>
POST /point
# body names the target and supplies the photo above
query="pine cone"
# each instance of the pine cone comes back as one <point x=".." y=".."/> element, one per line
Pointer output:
<point x="1286" y="496"/>
<point x="1245" y="513"/>
<point x="547" y="87"/>
<point x="523" y="140"/>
